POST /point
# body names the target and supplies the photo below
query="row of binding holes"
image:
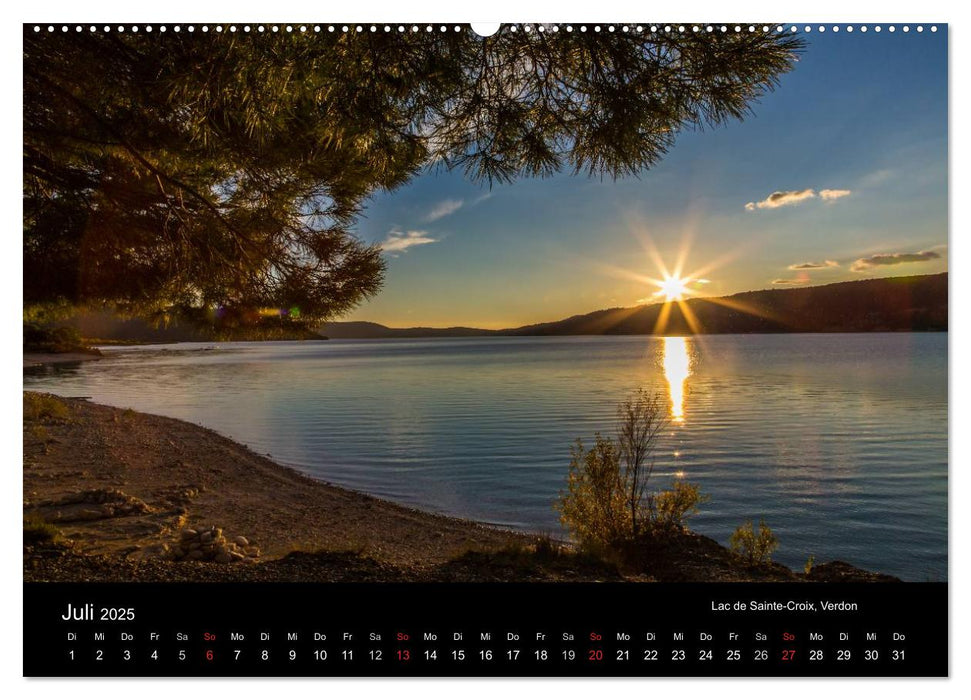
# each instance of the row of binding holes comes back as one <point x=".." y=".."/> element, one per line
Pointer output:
<point x="637" y="29"/>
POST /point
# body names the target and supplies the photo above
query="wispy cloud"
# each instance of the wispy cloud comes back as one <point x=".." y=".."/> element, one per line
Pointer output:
<point x="401" y="241"/>
<point x="790" y="281"/>
<point x="443" y="209"/>
<point x="830" y="195"/>
<point x="782" y="199"/>
<point x="814" y="265"/>
<point x="786" y="198"/>
<point x="882" y="259"/>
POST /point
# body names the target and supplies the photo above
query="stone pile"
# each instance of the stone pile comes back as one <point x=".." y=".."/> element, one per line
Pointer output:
<point x="210" y="544"/>
<point x="94" y="504"/>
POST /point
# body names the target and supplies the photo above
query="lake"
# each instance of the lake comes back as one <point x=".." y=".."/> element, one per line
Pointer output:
<point x="838" y="441"/>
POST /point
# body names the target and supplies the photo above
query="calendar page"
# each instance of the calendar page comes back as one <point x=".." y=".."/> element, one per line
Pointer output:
<point x="485" y="350"/>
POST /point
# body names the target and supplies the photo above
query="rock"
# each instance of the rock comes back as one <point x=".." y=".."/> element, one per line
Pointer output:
<point x="110" y="503"/>
<point x="211" y="544"/>
<point x="841" y="572"/>
<point x="88" y="514"/>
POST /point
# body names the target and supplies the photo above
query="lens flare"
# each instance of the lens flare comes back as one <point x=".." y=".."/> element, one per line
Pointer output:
<point x="673" y="288"/>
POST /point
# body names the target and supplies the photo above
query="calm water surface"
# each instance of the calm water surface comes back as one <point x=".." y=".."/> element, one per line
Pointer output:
<point x="839" y="441"/>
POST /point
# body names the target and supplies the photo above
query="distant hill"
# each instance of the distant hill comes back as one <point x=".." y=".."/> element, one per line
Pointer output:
<point x="365" y="329"/>
<point x="892" y="304"/>
<point x="917" y="303"/>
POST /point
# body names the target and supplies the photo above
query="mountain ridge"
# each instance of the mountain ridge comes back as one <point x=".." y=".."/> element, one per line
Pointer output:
<point x="910" y="303"/>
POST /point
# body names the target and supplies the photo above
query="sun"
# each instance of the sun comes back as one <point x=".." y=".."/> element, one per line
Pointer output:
<point x="673" y="288"/>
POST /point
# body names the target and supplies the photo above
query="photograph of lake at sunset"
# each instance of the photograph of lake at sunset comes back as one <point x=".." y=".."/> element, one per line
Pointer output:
<point x="544" y="306"/>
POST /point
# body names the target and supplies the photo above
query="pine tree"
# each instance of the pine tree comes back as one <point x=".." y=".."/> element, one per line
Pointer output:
<point x="215" y="175"/>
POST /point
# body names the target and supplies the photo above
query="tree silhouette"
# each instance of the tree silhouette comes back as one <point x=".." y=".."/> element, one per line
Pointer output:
<point x="217" y="174"/>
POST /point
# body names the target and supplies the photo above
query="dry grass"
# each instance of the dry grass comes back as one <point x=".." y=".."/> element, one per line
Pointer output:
<point x="39" y="407"/>
<point x="39" y="531"/>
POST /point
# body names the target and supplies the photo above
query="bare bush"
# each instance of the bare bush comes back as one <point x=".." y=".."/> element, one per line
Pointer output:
<point x="607" y="504"/>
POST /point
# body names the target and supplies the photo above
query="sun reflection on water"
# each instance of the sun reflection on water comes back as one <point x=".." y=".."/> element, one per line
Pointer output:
<point x="677" y="368"/>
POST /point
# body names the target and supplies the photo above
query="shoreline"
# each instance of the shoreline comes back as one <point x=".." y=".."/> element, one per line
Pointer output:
<point x="123" y="489"/>
<point x="38" y="359"/>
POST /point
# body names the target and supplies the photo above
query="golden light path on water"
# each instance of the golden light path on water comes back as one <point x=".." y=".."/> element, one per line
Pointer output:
<point x="677" y="367"/>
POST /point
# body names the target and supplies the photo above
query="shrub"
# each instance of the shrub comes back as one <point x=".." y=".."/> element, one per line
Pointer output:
<point x="640" y="420"/>
<point x="40" y="434"/>
<point x="546" y="547"/>
<point x="39" y="338"/>
<point x="606" y="505"/>
<point x="810" y="563"/>
<point x="39" y="531"/>
<point x="670" y="509"/>
<point x="593" y="507"/>
<point x="44" y="406"/>
<point x="754" y="548"/>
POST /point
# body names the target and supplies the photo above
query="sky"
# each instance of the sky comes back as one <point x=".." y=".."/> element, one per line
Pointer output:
<point x="853" y="143"/>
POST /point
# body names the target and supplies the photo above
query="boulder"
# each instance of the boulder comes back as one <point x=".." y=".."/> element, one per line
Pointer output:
<point x="211" y="544"/>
